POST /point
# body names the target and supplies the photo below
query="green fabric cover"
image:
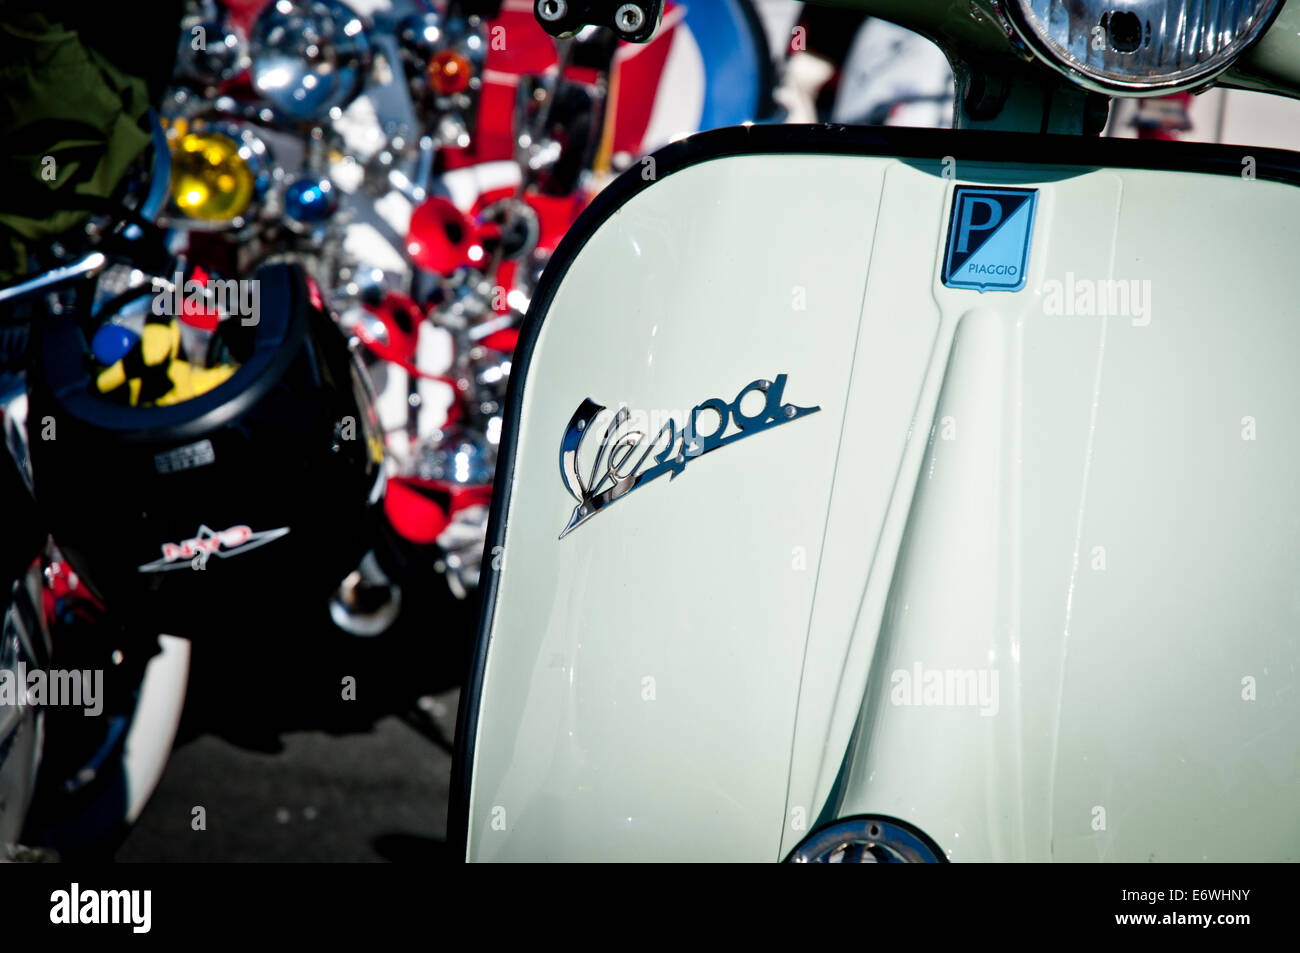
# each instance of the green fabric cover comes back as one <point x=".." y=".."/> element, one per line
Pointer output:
<point x="63" y="100"/>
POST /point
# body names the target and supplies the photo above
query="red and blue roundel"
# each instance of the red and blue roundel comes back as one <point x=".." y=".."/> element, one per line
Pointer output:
<point x="705" y="68"/>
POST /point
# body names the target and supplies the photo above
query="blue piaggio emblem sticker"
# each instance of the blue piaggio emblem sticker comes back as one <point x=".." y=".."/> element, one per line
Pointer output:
<point x="989" y="232"/>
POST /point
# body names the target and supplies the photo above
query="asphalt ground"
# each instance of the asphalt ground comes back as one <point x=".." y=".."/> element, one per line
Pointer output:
<point x="287" y="769"/>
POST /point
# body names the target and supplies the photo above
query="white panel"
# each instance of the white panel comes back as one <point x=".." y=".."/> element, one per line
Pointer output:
<point x="993" y="486"/>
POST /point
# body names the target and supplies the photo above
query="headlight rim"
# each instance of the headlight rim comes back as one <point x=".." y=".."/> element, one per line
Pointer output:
<point x="1012" y="13"/>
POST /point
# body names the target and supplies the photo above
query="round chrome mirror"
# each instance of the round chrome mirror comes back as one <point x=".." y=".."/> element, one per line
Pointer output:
<point x="210" y="53"/>
<point x="309" y="57"/>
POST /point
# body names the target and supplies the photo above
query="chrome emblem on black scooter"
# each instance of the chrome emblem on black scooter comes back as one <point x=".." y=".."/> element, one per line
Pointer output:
<point x="194" y="552"/>
<point x="612" y="477"/>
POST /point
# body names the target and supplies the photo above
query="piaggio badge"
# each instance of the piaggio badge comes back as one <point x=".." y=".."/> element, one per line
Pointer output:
<point x="679" y="447"/>
<point x="195" y="552"/>
<point x="989" y="231"/>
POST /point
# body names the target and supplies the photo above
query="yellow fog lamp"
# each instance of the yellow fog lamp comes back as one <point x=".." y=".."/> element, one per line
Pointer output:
<point x="211" y="181"/>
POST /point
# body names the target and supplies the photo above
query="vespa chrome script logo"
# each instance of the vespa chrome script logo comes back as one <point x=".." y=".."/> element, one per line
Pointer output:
<point x="193" y="553"/>
<point x="617" y="469"/>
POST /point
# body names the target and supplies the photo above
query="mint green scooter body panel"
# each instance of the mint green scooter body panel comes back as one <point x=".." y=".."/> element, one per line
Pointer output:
<point x="1026" y="577"/>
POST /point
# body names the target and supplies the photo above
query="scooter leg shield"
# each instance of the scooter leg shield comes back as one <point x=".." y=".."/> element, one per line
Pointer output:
<point x="941" y="477"/>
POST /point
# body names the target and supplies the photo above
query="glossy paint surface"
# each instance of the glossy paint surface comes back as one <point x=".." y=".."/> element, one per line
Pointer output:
<point x="1082" y="524"/>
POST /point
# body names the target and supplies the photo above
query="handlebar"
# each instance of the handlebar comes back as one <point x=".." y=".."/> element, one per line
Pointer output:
<point x="87" y="266"/>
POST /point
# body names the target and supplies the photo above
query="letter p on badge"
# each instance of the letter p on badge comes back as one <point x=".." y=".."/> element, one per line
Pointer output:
<point x="989" y="231"/>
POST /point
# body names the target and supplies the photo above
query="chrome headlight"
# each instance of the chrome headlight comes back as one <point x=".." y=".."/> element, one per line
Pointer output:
<point x="1140" y="47"/>
<point x="867" y="840"/>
